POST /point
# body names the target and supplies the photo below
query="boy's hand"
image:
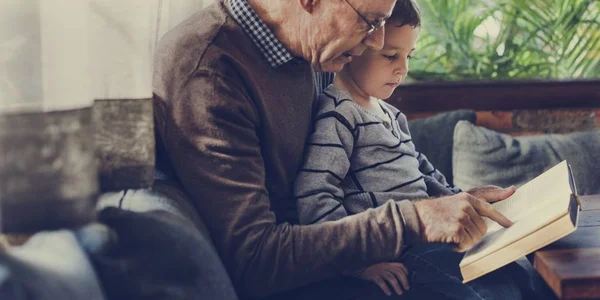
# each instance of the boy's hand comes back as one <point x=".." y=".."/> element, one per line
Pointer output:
<point x="393" y="273"/>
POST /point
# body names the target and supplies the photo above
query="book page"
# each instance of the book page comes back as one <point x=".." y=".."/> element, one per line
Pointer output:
<point x="502" y="237"/>
<point x="546" y="189"/>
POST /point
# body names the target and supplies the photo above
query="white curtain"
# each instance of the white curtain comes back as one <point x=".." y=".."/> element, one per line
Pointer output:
<point x="62" y="54"/>
<point x="121" y="48"/>
<point x="124" y="36"/>
<point x="43" y="55"/>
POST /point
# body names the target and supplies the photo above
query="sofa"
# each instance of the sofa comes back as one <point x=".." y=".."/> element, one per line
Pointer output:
<point x="468" y="154"/>
<point x="453" y="142"/>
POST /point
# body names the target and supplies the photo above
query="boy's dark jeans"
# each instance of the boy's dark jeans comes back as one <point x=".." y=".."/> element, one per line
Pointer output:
<point x="435" y="274"/>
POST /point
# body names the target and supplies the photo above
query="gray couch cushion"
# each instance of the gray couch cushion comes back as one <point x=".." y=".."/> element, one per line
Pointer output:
<point x="482" y="156"/>
<point x="433" y="137"/>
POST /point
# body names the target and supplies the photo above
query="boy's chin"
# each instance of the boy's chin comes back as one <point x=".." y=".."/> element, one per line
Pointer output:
<point x="385" y="95"/>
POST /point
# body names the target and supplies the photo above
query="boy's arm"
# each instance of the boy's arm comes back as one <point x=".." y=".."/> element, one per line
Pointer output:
<point x="317" y="190"/>
<point x="436" y="181"/>
<point x="434" y="178"/>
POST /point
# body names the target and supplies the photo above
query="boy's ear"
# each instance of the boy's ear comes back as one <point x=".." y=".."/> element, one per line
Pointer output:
<point x="308" y="5"/>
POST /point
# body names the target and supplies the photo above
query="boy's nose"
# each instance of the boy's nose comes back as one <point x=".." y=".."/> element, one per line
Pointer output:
<point x="401" y="71"/>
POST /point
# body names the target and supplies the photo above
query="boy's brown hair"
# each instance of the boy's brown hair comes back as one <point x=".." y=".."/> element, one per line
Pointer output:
<point x="406" y="12"/>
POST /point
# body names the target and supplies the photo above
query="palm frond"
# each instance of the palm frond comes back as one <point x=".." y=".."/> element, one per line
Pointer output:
<point x="529" y="39"/>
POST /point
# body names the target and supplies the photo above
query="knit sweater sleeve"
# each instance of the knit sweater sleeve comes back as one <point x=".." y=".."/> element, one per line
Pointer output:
<point x="319" y="197"/>
<point x="437" y="185"/>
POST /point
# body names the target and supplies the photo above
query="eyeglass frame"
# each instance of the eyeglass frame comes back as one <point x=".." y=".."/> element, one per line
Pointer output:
<point x="373" y="26"/>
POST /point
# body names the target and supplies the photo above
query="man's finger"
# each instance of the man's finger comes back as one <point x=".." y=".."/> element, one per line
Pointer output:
<point x="465" y="240"/>
<point x="475" y="224"/>
<point x="486" y="210"/>
<point x="480" y="223"/>
<point x="382" y="285"/>
<point x="472" y="230"/>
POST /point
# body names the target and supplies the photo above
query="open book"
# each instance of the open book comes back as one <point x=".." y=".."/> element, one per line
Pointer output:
<point x="543" y="210"/>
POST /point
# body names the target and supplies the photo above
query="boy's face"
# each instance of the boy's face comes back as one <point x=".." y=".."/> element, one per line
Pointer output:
<point x="379" y="73"/>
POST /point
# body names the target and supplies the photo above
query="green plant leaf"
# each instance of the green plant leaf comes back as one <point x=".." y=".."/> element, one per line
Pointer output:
<point x="508" y="39"/>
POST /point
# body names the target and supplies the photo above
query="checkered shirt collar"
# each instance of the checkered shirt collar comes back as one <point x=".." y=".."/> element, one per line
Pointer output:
<point x="262" y="36"/>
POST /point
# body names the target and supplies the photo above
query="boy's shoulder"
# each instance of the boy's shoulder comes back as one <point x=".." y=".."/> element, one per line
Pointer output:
<point x="337" y="101"/>
<point x="392" y="109"/>
<point x="398" y="115"/>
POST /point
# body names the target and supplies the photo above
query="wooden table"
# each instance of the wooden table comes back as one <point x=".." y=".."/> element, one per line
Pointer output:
<point x="571" y="266"/>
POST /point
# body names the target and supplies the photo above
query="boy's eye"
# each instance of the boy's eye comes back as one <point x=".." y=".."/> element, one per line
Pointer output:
<point x="410" y="57"/>
<point x="390" y="57"/>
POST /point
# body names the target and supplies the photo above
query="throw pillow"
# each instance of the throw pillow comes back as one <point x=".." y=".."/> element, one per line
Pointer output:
<point x="432" y="136"/>
<point x="482" y="156"/>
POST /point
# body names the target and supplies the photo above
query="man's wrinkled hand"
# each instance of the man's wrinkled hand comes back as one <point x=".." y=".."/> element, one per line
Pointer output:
<point x="457" y="219"/>
<point x="393" y="274"/>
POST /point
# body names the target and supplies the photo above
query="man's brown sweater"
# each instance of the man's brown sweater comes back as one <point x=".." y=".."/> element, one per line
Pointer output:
<point x="233" y="129"/>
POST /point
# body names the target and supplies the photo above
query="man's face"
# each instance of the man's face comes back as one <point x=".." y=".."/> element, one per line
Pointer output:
<point x="341" y="31"/>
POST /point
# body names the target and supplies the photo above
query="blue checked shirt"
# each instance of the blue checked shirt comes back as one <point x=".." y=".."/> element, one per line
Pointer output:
<point x="267" y="42"/>
<point x="258" y="31"/>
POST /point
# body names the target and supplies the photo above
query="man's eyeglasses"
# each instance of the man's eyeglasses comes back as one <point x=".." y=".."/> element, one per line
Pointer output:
<point x="373" y="26"/>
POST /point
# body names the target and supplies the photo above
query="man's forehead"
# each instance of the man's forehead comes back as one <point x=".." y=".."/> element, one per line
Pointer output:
<point x="377" y="9"/>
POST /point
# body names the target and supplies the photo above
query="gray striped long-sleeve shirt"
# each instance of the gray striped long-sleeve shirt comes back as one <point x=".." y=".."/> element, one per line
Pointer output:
<point x="354" y="160"/>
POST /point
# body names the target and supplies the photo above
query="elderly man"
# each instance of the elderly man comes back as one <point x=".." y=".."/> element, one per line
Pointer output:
<point x="234" y="90"/>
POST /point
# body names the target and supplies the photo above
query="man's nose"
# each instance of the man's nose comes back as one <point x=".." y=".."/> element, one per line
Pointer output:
<point x="376" y="39"/>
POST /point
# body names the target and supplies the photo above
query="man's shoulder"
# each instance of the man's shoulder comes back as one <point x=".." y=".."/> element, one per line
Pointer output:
<point x="208" y="41"/>
<point x="180" y="50"/>
<point x="193" y="35"/>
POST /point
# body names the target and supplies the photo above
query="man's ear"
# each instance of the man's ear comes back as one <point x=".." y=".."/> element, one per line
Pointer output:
<point x="308" y="5"/>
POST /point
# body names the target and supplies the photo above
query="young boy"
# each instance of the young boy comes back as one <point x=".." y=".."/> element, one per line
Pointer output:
<point x="360" y="154"/>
